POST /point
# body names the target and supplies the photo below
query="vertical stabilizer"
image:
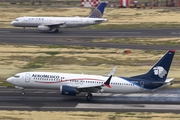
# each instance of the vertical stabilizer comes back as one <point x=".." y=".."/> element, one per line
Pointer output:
<point x="98" y="12"/>
<point x="161" y="68"/>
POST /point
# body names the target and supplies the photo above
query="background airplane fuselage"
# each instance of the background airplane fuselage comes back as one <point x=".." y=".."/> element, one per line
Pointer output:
<point x="68" y="21"/>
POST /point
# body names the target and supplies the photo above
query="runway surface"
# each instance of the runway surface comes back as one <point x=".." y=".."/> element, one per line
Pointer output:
<point x="160" y="101"/>
<point x="84" y="37"/>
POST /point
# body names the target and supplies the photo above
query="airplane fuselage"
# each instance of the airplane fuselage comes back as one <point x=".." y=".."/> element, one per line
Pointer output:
<point x="48" y="80"/>
<point x="73" y="84"/>
<point x="68" y="21"/>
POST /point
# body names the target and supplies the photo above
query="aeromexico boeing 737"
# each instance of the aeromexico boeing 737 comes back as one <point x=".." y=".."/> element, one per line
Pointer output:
<point x="54" y="23"/>
<point x="72" y="84"/>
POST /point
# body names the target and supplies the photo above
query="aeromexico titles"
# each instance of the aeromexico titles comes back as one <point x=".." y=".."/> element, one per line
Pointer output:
<point x="53" y="24"/>
<point x="73" y="84"/>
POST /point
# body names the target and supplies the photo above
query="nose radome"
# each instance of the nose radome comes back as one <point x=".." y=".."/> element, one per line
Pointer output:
<point x="9" y="80"/>
<point x="12" y="23"/>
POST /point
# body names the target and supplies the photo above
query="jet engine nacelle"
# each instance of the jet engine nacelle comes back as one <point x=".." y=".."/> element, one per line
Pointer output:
<point x="43" y="28"/>
<point x="68" y="90"/>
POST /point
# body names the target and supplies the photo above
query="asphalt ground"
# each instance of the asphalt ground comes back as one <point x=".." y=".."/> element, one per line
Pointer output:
<point x="84" y="37"/>
<point x="163" y="101"/>
<point x="167" y="100"/>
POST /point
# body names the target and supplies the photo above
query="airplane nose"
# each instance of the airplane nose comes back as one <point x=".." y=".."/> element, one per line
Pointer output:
<point x="12" y="23"/>
<point x="9" y="80"/>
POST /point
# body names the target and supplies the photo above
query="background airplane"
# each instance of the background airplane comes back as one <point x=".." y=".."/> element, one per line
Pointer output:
<point x="73" y="84"/>
<point x="54" y="23"/>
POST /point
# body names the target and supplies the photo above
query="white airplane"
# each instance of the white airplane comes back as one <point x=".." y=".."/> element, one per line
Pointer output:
<point x="73" y="84"/>
<point x="53" y="24"/>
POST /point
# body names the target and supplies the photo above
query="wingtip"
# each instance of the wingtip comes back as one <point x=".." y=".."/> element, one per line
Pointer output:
<point x="172" y="51"/>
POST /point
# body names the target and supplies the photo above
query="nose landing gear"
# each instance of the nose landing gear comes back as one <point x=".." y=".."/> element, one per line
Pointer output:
<point x="22" y="89"/>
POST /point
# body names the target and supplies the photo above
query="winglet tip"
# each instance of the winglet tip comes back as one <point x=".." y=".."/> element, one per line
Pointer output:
<point x="173" y="51"/>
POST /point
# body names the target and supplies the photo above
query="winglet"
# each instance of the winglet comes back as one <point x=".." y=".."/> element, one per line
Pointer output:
<point x="107" y="83"/>
<point x="111" y="73"/>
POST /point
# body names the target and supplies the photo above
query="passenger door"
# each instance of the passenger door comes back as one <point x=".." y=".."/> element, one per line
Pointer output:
<point x="27" y="77"/>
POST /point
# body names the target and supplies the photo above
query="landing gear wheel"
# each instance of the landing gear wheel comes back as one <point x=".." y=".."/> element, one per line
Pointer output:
<point x="89" y="96"/>
<point x="56" y="31"/>
<point x="24" y="29"/>
<point x="23" y="93"/>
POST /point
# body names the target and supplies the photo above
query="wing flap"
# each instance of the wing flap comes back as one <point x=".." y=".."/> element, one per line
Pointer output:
<point x="96" y="87"/>
<point x="84" y="87"/>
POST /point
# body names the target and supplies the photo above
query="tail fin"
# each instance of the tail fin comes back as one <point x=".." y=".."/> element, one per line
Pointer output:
<point x="98" y="12"/>
<point x="161" y="68"/>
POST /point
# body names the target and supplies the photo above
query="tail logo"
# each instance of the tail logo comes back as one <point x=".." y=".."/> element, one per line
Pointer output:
<point x="160" y="71"/>
<point x="96" y="14"/>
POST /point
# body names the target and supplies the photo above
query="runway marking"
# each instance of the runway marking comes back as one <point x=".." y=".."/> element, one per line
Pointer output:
<point x="4" y="31"/>
<point x="25" y="107"/>
<point x="175" y="33"/>
<point x="129" y="106"/>
<point x="124" y="32"/>
<point x="105" y="106"/>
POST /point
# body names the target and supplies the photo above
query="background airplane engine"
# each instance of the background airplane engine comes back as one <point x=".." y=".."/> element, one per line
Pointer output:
<point x="43" y="28"/>
<point x="68" y="90"/>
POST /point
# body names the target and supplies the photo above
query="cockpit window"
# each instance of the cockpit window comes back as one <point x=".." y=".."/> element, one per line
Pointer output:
<point x="16" y="20"/>
<point x="16" y="76"/>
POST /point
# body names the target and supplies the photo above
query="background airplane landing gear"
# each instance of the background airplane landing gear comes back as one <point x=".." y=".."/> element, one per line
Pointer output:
<point x="24" y="29"/>
<point x="56" y="31"/>
<point x="22" y="92"/>
<point x="89" y="96"/>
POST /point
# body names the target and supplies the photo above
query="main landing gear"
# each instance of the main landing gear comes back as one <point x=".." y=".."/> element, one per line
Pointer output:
<point x="89" y="96"/>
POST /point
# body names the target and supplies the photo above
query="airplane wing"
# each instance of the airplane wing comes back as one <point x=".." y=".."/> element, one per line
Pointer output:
<point x="55" y="24"/>
<point x="95" y="88"/>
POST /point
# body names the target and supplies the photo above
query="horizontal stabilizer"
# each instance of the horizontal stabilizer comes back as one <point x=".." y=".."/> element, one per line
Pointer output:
<point x="169" y="80"/>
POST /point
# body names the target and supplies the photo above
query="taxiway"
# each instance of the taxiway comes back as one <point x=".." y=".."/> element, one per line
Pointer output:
<point x="160" y="101"/>
<point x="84" y="37"/>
